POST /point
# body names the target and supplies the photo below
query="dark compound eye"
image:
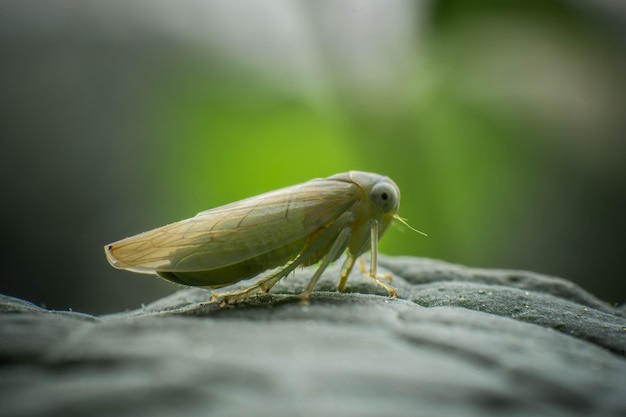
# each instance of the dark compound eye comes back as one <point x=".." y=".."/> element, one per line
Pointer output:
<point x="385" y="195"/>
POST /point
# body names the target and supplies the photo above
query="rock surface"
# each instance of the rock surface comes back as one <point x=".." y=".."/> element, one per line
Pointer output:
<point x="458" y="341"/>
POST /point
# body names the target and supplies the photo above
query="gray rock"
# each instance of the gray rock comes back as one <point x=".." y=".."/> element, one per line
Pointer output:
<point x="458" y="341"/>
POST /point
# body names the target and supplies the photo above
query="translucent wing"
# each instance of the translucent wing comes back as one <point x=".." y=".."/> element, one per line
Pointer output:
<point x="236" y="232"/>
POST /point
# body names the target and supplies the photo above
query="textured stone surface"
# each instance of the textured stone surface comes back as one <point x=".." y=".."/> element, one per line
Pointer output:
<point x="458" y="341"/>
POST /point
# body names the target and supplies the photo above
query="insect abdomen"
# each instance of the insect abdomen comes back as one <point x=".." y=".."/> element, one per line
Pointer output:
<point x="230" y="274"/>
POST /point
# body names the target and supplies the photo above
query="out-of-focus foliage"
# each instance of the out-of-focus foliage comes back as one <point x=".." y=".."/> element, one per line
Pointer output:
<point x="502" y="123"/>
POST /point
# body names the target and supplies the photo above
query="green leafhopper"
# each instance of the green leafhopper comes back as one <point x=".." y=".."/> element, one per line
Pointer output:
<point x="301" y="225"/>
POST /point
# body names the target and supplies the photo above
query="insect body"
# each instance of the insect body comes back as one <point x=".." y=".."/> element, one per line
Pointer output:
<point x="280" y="230"/>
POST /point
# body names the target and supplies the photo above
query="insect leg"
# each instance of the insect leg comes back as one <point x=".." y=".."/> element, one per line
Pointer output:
<point x="340" y="245"/>
<point x="263" y="285"/>
<point x="363" y="270"/>
<point x="345" y="270"/>
<point x="378" y="278"/>
<point x="266" y="283"/>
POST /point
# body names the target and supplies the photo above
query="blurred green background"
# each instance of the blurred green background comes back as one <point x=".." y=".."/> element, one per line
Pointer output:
<point x="503" y="123"/>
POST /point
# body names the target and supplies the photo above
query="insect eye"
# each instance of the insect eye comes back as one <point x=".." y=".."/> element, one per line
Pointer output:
<point x="385" y="196"/>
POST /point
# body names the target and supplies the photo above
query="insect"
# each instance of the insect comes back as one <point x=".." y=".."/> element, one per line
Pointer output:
<point x="280" y="230"/>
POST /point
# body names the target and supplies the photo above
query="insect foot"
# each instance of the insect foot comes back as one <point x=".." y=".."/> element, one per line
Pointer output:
<point x="230" y="298"/>
<point x="380" y="279"/>
<point x="304" y="300"/>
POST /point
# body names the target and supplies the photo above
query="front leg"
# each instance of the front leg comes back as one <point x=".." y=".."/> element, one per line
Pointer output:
<point x="380" y="279"/>
<point x="373" y="274"/>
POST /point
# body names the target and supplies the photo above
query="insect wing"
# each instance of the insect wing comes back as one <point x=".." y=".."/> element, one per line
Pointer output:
<point x="238" y="231"/>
